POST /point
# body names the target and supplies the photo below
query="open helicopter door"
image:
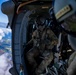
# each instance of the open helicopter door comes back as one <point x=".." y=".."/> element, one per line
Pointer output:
<point x="20" y="29"/>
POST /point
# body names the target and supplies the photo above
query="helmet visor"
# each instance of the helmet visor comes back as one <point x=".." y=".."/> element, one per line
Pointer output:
<point x="70" y="22"/>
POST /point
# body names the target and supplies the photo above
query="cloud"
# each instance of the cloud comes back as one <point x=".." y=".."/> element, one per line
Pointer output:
<point x="3" y="61"/>
<point x="5" y="65"/>
<point x="2" y="72"/>
<point x="5" y="58"/>
<point x="4" y="31"/>
<point x="1" y="34"/>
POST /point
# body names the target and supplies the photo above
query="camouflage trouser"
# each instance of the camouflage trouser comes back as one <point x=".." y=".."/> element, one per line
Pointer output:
<point x="34" y="52"/>
<point x="47" y="60"/>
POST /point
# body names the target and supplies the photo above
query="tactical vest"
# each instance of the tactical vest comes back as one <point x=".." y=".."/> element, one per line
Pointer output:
<point x="43" y="39"/>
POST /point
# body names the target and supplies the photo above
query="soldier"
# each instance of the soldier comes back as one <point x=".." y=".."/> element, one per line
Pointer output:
<point x="65" y="13"/>
<point x="43" y="41"/>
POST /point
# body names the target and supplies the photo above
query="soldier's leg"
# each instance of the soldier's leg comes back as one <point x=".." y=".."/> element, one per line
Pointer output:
<point x="30" y="56"/>
<point x="47" y="60"/>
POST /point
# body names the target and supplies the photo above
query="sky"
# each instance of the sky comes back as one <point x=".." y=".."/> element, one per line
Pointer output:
<point x="3" y="17"/>
<point x="4" y="61"/>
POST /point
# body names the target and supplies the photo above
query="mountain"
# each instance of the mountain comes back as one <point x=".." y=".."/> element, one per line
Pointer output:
<point x="5" y="40"/>
<point x="5" y="50"/>
<point x="3" y="25"/>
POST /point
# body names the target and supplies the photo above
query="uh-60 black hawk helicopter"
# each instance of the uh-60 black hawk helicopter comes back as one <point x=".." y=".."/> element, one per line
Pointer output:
<point x="21" y="15"/>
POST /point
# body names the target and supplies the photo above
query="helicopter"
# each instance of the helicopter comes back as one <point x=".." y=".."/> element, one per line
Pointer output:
<point x="21" y="17"/>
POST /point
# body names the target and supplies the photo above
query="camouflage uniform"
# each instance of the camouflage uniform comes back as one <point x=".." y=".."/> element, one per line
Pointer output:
<point x="43" y="42"/>
<point x="72" y="64"/>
